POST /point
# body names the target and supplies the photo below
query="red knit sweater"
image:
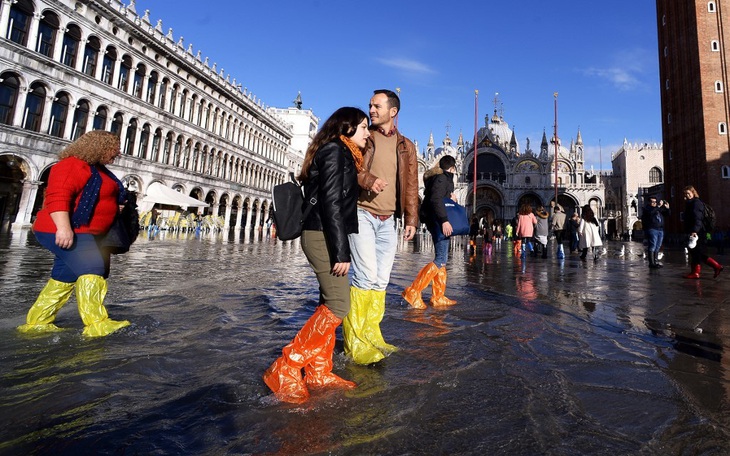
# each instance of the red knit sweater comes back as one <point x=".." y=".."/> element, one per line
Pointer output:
<point x="65" y="184"/>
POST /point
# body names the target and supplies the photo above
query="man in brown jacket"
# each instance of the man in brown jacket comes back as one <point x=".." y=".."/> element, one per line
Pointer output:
<point x="388" y="189"/>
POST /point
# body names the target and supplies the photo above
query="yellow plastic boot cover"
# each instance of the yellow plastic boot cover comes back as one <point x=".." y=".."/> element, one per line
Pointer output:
<point x="375" y="316"/>
<point x="90" y="292"/>
<point x="355" y="329"/>
<point x="43" y="312"/>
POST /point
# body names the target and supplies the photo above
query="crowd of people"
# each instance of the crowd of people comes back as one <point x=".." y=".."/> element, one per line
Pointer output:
<point x="363" y="174"/>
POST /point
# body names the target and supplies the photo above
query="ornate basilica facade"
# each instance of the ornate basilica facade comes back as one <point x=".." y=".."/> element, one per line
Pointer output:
<point x="68" y="66"/>
<point x="508" y="176"/>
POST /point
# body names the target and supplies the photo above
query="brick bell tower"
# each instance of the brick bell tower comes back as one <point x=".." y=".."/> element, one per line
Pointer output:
<point x="695" y="94"/>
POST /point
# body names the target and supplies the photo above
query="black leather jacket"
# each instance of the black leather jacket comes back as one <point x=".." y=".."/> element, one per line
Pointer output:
<point x="333" y="183"/>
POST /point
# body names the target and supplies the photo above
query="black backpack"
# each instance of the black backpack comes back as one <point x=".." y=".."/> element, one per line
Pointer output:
<point x="288" y="208"/>
<point x="708" y="218"/>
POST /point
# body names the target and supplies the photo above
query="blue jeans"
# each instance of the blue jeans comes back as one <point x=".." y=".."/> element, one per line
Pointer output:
<point x="373" y="251"/>
<point x="442" y="252"/>
<point x="656" y="237"/>
<point x="84" y="257"/>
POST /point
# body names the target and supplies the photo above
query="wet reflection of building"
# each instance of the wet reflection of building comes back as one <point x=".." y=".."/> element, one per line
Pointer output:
<point x="70" y="67"/>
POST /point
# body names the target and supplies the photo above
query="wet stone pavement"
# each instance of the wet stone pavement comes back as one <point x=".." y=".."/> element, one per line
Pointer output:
<point x="539" y="356"/>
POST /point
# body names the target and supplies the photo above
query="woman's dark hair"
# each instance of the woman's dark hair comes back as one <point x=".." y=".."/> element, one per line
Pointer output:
<point x="344" y="121"/>
<point x="588" y="215"/>
<point x="447" y="162"/>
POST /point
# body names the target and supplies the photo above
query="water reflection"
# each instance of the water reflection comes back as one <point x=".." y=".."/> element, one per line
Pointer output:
<point x="542" y="344"/>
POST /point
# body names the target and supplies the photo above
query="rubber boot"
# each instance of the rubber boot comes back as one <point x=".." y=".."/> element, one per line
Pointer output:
<point x="652" y="260"/>
<point x="284" y="376"/>
<point x="50" y="300"/>
<point x="355" y="329"/>
<point x="656" y="261"/>
<point x="544" y="250"/>
<point x="716" y="266"/>
<point x="376" y="312"/>
<point x="412" y="294"/>
<point x="695" y="274"/>
<point x="517" y="248"/>
<point x="560" y="254"/>
<point x="90" y="292"/>
<point x="318" y="373"/>
<point x="439" y="289"/>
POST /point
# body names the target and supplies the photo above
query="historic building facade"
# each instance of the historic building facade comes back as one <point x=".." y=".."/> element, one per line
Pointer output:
<point x="638" y="172"/>
<point x="695" y="86"/>
<point x="67" y="67"/>
<point x="507" y="176"/>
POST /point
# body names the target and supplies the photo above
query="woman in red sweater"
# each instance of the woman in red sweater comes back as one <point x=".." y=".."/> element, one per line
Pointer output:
<point x="81" y="201"/>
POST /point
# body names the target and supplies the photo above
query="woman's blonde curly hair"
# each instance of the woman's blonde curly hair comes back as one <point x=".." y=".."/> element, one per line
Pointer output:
<point x="91" y="146"/>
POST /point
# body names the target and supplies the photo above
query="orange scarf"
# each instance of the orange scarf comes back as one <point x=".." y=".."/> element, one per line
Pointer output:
<point x="356" y="152"/>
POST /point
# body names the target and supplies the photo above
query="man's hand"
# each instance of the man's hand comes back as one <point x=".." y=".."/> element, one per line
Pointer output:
<point x="379" y="185"/>
<point x="409" y="232"/>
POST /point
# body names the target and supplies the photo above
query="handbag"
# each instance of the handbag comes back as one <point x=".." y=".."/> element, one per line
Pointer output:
<point x="124" y="230"/>
<point x="288" y="209"/>
<point x="456" y="215"/>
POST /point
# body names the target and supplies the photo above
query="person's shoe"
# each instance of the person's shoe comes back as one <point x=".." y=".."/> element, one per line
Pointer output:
<point x="717" y="267"/>
<point x="412" y="294"/>
<point x="695" y="274"/>
<point x="439" y="289"/>
<point x="43" y="312"/>
<point x="90" y="292"/>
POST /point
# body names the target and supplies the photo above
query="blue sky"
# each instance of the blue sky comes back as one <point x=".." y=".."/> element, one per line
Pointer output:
<point x="601" y="58"/>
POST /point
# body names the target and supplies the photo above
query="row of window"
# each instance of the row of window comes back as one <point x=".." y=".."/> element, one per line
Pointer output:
<point x="138" y="139"/>
<point x="157" y="91"/>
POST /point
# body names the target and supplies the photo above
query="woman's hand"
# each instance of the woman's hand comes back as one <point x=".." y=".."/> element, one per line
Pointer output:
<point x="64" y="232"/>
<point x="341" y="269"/>
<point x="447" y="229"/>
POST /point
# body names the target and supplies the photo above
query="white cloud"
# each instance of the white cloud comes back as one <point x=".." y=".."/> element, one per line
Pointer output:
<point x="411" y="66"/>
<point x="628" y="71"/>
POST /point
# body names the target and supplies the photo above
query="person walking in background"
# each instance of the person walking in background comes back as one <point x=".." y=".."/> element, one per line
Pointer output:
<point x="508" y="231"/>
<point x="694" y="214"/>
<point x="590" y="234"/>
<point x="541" y="230"/>
<point x="329" y="176"/>
<point x="82" y="200"/>
<point x="573" y="225"/>
<point x="558" y="226"/>
<point x="526" y="222"/>
<point x="388" y="189"/>
<point x="498" y="234"/>
<point x="488" y="239"/>
<point x="652" y="220"/>
<point x="439" y="184"/>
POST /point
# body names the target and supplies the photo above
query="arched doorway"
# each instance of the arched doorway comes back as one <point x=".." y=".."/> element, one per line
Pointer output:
<point x="11" y="188"/>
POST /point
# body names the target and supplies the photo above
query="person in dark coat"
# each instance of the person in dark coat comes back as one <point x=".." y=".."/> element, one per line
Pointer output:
<point x="694" y="214"/>
<point x="439" y="184"/>
<point x="652" y="220"/>
<point x="329" y="175"/>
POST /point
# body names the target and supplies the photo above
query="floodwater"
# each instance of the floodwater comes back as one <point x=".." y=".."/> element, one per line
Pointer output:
<point x="538" y="357"/>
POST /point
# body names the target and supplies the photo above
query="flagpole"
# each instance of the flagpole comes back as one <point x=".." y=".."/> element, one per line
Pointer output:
<point x="476" y="113"/>
<point x="397" y="90"/>
<point x="555" y="95"/>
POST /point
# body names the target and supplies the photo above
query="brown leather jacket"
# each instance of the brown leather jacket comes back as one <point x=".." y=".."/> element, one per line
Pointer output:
<point x="407" y="183"/>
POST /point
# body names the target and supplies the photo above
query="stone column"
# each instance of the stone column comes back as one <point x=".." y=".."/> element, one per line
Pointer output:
<point x="227" y="217"/>
<point x="33" y="31"/>
<point x="25" y="208"/>
<point x="19" y="114"/>
<point x="58" y="50"/>
<point x="5" y="16"/>
<point x="239" y="213"/>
